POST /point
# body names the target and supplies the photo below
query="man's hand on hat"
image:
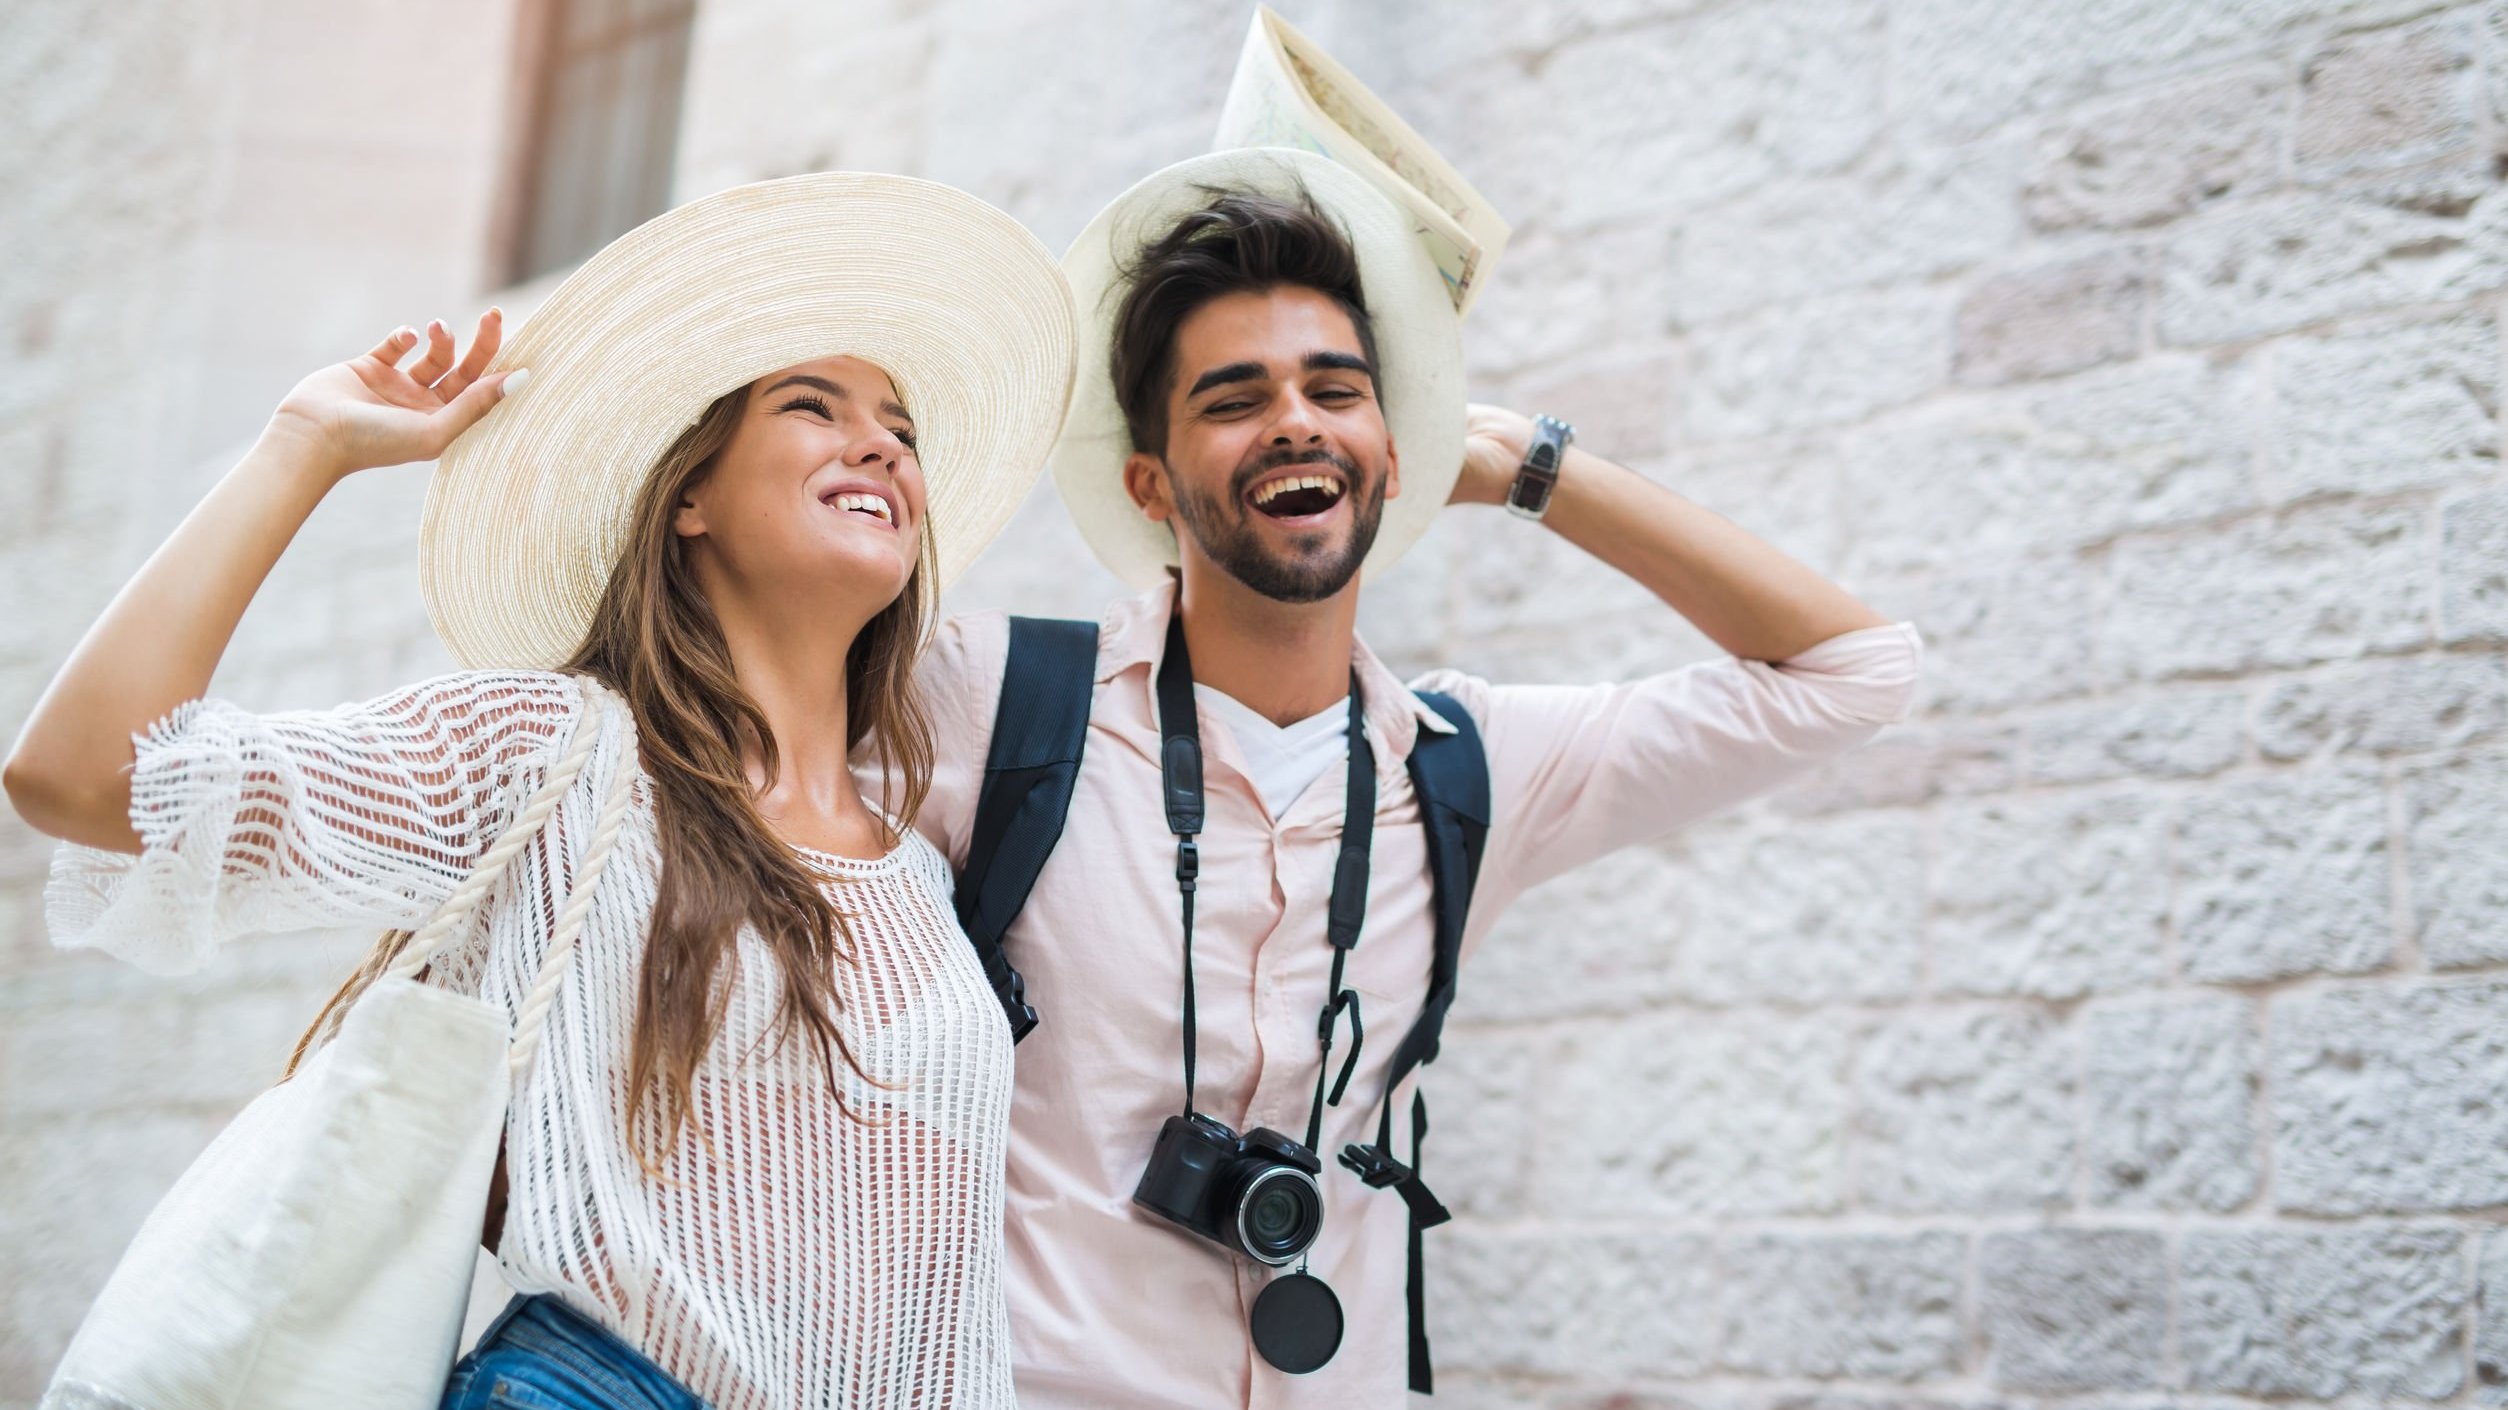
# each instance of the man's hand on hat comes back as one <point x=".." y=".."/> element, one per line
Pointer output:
<point x="370" y="411"/>
<point x="1494" y="442"/>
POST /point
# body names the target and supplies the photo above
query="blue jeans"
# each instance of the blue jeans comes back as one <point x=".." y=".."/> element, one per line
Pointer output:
<point x="540" y="1354"/>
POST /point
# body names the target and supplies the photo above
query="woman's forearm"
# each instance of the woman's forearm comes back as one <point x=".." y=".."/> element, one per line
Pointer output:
<point x="158" y="643"/>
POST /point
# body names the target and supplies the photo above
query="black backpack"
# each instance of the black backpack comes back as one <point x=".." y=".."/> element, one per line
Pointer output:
<point x="1038" y="736"/>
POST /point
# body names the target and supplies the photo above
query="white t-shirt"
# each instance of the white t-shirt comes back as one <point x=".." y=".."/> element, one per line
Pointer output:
<point x="1283" y="759"/>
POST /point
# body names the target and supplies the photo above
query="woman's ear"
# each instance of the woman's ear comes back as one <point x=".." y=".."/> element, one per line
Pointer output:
<point x="688" y="521"/>
<point x="1145" y="479"/>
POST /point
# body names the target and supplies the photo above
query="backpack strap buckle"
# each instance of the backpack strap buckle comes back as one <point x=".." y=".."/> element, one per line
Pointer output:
<point x="1014" y="1003"/>
<point x="1378" y="1170"/>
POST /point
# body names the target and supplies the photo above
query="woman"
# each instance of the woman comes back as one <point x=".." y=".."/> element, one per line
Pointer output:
<point x="757" y="1160"/>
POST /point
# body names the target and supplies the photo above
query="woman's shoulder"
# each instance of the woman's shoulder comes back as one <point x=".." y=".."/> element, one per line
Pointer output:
<point x="493" y="688"/>
<point x="493" y="724"/>
<point x="484" y="704"/>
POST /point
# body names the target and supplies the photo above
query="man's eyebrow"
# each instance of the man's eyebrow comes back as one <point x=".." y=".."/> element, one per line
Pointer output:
<point x="1217" y="376"/>
<point x="1322" y="360"/>
<point x="804" y="379"/>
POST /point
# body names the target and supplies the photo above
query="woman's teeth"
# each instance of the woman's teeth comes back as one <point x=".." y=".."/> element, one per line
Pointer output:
<point x="868" y="503"/>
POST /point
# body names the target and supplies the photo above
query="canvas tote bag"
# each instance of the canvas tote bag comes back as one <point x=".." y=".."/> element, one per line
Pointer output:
<point x="318" y="1255"/>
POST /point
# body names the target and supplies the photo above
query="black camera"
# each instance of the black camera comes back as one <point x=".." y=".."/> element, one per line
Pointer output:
<point x="1256" y="1193"/>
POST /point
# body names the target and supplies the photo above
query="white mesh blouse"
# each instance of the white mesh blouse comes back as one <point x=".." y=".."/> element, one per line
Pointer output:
<point x="790" y="1254"/>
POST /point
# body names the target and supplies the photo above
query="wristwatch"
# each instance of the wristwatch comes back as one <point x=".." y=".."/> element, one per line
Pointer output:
<point x="1529" y="496"/>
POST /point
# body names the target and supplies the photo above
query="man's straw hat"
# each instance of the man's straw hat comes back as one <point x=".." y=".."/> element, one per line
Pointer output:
<point x="1419" y="343"/>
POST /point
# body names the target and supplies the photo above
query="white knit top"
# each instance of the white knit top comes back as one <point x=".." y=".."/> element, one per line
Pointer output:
<point x="790" y="1254"/>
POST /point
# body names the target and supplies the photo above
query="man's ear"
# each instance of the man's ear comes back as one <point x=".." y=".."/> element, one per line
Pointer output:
<point x="1145" y="479"/>
<point x="1393" y="468"/>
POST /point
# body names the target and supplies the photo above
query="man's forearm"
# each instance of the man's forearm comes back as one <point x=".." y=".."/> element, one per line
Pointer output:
<point x="1748" y="597"/>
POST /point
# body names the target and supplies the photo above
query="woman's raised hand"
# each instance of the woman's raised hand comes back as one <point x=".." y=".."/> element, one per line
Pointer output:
<point x="158" y="644"/>
<point x="371" y="411"/>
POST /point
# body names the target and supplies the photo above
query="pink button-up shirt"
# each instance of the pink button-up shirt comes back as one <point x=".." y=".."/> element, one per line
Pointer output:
<point x="1111" y="1308"/>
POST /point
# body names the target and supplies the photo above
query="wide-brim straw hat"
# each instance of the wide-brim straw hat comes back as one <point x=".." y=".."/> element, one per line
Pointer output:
<point x="1419" y="346"/>
<point x="956" y="301"/>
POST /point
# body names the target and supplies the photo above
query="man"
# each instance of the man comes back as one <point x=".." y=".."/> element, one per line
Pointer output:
<point x="1272" y="404"/>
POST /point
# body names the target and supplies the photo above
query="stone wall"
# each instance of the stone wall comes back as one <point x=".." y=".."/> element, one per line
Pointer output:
<point x="2125" y="1030"/>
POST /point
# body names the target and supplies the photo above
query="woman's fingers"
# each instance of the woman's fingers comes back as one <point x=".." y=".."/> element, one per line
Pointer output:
<point x="464" y="411"/>
<point x="439" y="354"/>
<point x="394" y="347"/>
<point x="483" y="345"/>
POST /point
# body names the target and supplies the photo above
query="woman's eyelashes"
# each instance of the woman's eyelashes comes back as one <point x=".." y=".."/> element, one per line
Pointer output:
<point x="818" y="407"/>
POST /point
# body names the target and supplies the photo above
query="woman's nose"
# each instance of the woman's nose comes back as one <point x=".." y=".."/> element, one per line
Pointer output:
<point x="878" y="446"/>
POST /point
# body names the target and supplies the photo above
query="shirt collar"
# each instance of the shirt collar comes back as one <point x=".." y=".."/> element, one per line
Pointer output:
<point x="1135" y="634"/>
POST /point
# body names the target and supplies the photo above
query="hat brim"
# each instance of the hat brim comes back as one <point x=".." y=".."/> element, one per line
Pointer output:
<point x="957" y="302"/>
<point x="1419" y="349"/>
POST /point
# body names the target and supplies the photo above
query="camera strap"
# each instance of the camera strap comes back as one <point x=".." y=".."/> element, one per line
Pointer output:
<point x="1449" y="774"/>
<point x="1180" y="769"/>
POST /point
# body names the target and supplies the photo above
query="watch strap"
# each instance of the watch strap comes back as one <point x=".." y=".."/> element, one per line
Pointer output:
<point x="1538" y="476"/>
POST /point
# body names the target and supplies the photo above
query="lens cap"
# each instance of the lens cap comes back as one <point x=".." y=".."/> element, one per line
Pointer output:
<point x="1297" y="1323"/>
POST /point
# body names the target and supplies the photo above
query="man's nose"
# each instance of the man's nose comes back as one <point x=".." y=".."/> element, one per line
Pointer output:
<point x="1297" y="422"/>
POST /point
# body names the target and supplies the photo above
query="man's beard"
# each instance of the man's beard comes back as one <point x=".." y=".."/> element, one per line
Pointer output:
<point x="1221" y="528"/>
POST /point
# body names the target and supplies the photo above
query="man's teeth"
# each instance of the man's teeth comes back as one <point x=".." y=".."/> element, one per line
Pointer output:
<point x="1277" y="488"/>
<point x="870" y="503"/>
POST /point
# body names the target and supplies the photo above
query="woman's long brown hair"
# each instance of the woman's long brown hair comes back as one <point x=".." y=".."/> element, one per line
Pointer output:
<point x="655" y="641"/>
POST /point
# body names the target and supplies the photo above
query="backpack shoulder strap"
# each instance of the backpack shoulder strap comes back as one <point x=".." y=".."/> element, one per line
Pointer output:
<point x="1038" y="734"/>
<point x="1450" y="775"/>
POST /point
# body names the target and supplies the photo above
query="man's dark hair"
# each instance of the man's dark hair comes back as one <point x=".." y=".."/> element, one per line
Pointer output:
<point x="1242" y="242"/>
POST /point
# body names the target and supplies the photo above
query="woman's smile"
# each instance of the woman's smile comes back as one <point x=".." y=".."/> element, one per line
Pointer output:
<point x="861" y="497"/>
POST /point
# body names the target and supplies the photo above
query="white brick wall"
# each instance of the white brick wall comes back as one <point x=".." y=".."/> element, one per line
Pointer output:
<point x="2126" y="1029"/>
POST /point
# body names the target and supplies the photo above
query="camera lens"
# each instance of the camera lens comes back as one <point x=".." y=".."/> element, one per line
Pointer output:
<point x="1273" y="1217"/>
<point x="1279" y="1215"/>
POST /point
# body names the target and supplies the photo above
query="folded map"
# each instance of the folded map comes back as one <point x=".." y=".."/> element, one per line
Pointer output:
<point x="1289" y="93"/>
